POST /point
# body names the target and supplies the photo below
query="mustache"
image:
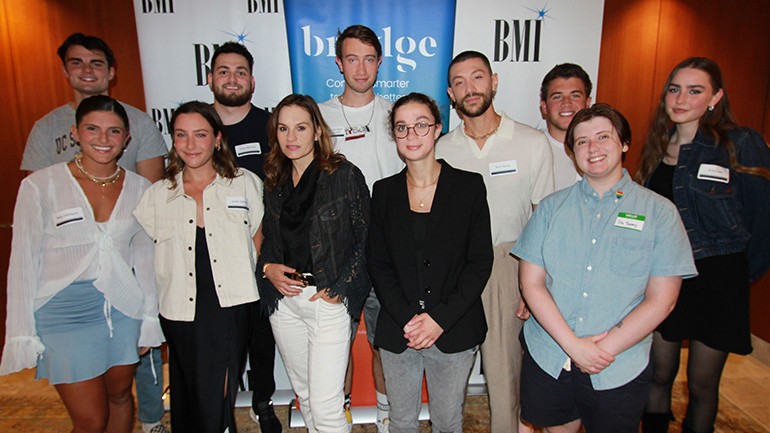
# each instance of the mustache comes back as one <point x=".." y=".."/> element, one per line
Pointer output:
<point x="472" y="95"/>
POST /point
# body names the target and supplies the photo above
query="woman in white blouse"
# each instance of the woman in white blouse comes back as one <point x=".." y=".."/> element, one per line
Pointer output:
<point x="203" y="218"/>
<point x="82" y="302"/>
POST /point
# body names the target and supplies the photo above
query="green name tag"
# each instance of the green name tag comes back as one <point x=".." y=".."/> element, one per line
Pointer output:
<point x="630" y="221"/>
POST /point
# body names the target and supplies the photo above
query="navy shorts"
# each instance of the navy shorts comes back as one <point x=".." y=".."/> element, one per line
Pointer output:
<point x="549" y="402"/>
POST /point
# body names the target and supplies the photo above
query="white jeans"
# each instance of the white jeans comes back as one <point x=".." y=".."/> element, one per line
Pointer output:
<point x="314" y="341"/>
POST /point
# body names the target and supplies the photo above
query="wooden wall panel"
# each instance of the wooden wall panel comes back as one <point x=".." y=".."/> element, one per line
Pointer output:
<point x="642" y="40"/>
<point x="627" y="64"/>
<point x="33" y="83"/>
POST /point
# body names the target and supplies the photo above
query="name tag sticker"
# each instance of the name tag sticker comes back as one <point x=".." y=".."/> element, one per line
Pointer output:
<point x="356" y="132"/>
<point x="68" y="216"/>
<point x="715" y="173"/>
<point x="338" y="132"/>
<point x="503" y="168"/>
<point x="630" y="221"/>
<point x="248" y="149"/>
<point x="237" y="203"/>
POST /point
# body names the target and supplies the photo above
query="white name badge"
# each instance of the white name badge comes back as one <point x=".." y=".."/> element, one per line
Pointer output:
<point x="248" y="149"/>
<point x="338" y="132"/>
<point x="68" y="216"/>
<point x="237" y="203"/>
<point x="715" y="173"/>
<point x="630" y="221"/>
<point x="503" y="168"/>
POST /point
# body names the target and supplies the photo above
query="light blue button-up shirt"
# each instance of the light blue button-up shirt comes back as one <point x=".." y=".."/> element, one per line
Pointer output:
<point x="599" y="253"/>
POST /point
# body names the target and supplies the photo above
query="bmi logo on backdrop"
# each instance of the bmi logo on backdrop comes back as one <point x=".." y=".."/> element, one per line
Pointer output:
<point x="517" y="40"/>
<point x="167" y="6"/>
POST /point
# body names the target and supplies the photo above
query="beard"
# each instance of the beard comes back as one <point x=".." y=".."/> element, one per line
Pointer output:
<point x="486" y="102"/>
<point x="233" y="99"/>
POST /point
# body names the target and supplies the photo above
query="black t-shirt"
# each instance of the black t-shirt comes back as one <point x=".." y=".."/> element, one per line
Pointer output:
<point x="662" y="181"/>
<point x="248" y="140"/>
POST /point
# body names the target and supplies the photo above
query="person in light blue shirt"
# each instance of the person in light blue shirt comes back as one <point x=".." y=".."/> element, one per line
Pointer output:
<point x="601" y="266"/>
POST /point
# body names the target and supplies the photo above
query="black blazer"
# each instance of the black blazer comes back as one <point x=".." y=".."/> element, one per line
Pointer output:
<point x="455" y="268"/>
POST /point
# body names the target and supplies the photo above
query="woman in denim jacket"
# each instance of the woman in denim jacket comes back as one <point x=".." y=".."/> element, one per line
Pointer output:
<point x="314" y="278"/>
<point x="718" y="176"/>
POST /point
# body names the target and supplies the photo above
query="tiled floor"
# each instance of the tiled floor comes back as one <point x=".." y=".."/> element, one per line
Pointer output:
<point x="33" y="406"/>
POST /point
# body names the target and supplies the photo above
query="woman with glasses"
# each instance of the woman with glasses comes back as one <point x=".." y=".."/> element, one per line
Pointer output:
<point x="314" y="278"/>
<point x="430" y="255"/>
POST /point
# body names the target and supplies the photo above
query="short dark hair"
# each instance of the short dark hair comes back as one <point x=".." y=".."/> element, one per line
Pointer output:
<point x="101" y="103"/>
<point x="565" y="70"/>
<point x="363" y="34"/>
<point x="91" y="43"/>
<point x="233" y="48"/>
<point x="615" y="117"/>
<point x="467" y="55"/>
<point x="419" y="98"/>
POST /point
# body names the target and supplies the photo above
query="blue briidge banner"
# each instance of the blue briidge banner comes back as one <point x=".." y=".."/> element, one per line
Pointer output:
<point x="416" y="40"/>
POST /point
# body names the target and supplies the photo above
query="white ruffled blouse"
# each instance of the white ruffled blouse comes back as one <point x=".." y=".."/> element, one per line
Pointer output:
<point x="56" y="241"/>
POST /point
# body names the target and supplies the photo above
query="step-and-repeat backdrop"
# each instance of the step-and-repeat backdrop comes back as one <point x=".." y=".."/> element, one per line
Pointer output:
<point x="292" y="42"/>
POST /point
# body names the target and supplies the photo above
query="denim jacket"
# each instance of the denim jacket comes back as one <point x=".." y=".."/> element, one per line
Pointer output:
<point x="339" y="221"/>
<point x="724" y="217"/>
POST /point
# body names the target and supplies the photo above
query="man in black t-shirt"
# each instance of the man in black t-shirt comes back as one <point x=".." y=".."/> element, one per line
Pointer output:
<point x="232" y="82"/>
<point x="245" y="125"/>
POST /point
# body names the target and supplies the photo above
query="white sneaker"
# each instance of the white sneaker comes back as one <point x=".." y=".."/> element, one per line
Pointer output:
<point x="154" y="427"/>
<point x="382" y="426"/>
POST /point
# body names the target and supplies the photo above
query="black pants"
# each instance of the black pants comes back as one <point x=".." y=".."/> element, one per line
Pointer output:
<point x="206" y="356"/>
<point x="261" y="357"/>
<point x="199" y="360"/>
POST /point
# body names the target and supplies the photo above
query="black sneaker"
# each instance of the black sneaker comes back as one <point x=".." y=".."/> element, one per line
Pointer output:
<point x="265" y="416"/>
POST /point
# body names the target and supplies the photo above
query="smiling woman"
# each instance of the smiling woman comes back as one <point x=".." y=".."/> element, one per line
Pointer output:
<point x="203" y="218"/>
<point x="718" y="175"/>
<point x="66" y="288"/>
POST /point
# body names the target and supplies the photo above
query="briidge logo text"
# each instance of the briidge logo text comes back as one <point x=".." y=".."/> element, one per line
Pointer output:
<point x="404" y="46"/>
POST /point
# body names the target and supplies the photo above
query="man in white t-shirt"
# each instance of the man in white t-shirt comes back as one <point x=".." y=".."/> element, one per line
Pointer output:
<point x="89" y="65"/>
<point x="516" y="162"/>
<point x="566" y="89"/>
<point x="358" y="121"/>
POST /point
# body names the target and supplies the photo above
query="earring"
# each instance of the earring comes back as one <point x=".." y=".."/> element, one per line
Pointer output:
<point x="218" y="146"/>
<point x="711" y="108"/>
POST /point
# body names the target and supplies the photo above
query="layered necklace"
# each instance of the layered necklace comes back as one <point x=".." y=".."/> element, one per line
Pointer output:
<point x="482" y="136"/>
<point x="102" y="181"/>
<point x="421" y="200"/>
<point x="353" y="132"/>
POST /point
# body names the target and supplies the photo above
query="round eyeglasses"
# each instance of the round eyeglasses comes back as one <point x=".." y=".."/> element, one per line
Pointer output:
<point x="420" y="129"/>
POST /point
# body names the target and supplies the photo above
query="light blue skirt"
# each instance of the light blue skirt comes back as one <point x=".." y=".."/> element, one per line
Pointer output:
<point x="83" y="335"/>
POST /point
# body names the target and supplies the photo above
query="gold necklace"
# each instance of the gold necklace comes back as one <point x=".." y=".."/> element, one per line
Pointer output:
<point x="483" y="136"/>
<point x="103" y="181"/>
<point x="421" y="201"/>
